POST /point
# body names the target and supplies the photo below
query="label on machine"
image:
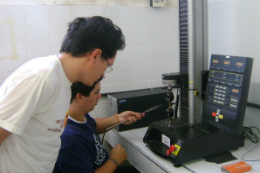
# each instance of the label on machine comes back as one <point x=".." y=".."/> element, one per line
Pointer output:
<point x="166" y="140"/>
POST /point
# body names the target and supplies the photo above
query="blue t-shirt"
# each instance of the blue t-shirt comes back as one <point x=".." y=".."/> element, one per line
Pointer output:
<point x="81" y="149"/>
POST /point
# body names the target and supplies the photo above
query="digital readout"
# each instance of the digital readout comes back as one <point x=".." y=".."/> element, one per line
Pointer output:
<point x="235" y="91"/>
<point x="226" y="62"/>
<point x="215" y="61"/>
<point x="239" y="64"/>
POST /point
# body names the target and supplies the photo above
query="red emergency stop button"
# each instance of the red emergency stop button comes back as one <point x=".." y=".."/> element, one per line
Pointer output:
<point x="172" y="148"/>
<point x="168" y="152"/>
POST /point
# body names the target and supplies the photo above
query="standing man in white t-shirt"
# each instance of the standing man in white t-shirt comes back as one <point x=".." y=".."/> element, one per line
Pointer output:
<point x="35" y="98"/>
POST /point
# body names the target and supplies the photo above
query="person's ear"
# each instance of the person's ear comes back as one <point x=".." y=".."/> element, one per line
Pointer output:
<point x="96" y="53"/>
<point x="79" y="97"/>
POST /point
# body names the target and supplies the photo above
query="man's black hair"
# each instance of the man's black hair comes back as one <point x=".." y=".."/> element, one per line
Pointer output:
<point x="86" y="34"/>
<point x="79" y="87"/>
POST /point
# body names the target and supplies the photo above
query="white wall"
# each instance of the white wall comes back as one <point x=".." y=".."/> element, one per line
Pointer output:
<point x="29" y="31"/>
<point x="234" y="29"/>
<point x="84" y="2"/>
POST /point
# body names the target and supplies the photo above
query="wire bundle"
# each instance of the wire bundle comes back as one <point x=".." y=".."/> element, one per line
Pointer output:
<point x="249" y="134"/>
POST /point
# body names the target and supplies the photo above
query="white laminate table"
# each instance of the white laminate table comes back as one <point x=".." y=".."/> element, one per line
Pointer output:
<point x="146" y="161"/>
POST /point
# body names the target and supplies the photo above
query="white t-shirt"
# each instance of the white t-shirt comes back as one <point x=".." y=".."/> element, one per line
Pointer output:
<point x="33" y="105"/>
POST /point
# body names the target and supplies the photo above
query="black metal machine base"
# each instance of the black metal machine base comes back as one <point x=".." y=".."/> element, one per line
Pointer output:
<point x="190" y="142"/>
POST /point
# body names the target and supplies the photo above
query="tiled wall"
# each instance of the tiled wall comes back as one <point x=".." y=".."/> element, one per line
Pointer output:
<point x="85" y="2"/>
<point x="234" y="29"/>
<point x="151" y="35"/>
<point x="29" y="31"/>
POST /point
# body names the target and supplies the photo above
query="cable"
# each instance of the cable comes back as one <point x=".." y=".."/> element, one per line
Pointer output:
<point x="249" y="134"/>
<point x="188" y="168"/>
<point x="103" y="138"/>
<point x="249" y="152"/>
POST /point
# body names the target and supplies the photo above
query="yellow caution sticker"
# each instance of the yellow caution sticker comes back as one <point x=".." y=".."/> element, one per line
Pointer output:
<point x="221" y="116"/>
<point x="177" y="149"/>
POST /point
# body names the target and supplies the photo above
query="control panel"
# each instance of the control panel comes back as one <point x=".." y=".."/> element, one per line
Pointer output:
<point x="227" y="92"/>
<point x="225" y="88"/>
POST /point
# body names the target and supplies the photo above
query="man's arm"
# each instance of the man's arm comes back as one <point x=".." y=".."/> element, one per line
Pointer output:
<point x="3" y="134"/>
<point x="117" y="156"/>
<point x="103" y="123"/>
<point x="108" y="167"/>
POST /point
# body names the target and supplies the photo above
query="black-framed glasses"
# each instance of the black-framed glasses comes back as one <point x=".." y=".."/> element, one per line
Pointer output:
<point x="109" y="67"/>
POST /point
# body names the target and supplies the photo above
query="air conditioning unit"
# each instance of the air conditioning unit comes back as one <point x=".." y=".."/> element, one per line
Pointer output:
<point x="158" y="3"/>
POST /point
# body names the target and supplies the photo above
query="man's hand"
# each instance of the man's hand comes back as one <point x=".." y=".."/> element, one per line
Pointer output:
<point x="118" y="153"/>
<point x="105" y="124"/>
<point x="130" y="116"/>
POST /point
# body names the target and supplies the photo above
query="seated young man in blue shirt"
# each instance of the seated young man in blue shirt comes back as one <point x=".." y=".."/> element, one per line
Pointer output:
<point x="81" y="149"/>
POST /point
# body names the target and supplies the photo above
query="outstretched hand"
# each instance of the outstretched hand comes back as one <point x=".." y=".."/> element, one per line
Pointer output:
<point x="130" y="116"/>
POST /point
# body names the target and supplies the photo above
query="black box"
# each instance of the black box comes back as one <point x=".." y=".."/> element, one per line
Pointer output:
<point x="139" y="101"/>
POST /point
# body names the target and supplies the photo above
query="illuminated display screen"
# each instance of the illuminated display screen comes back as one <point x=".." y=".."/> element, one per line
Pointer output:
<point x="235" y="91"/>
<point x="215" y="61"/>
<point x="227" y="62"/>
<point x="239" y="64"/>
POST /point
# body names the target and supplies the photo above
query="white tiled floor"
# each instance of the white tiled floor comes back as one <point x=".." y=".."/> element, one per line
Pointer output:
<point x="146" y="161"/>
